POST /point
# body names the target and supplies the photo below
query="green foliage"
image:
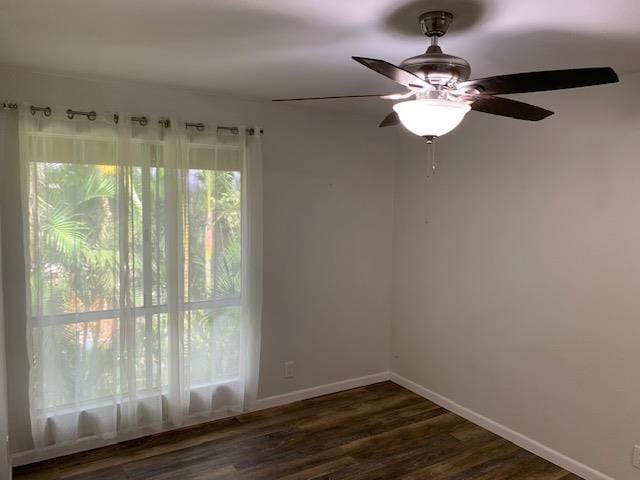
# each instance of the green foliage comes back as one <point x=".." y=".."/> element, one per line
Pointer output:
<point x="98" y="186"/>
<point x="62" y="230"/>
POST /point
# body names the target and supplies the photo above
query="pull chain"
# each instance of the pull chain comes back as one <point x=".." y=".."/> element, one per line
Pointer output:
<point x="431" y="155"/>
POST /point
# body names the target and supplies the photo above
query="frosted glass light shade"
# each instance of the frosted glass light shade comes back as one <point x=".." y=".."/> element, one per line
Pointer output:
<point x="430" y="116"/>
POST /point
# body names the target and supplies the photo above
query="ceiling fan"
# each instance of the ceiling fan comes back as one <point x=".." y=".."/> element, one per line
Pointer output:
<point x="439" y="93"/>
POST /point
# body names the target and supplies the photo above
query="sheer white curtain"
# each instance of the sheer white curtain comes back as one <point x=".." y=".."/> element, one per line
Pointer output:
<point x="145" y="274"/>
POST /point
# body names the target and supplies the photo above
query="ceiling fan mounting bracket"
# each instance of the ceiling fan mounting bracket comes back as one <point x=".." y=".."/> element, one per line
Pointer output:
<point x="435" y="23"/>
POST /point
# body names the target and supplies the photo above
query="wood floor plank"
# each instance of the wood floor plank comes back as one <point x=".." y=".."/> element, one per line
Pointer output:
<point x="37" y="472"/>
<point x="534" y="468"/>
<point x="471" y="432"/>
<point x="469" y="455"/>
<point x="386" y="465"/>
<point x="403" y="437"/>
<point x="110" y="473"/>
<point x="361" y="411"/>
<point x="378" y="432"/>
<point x="322" y="469"/>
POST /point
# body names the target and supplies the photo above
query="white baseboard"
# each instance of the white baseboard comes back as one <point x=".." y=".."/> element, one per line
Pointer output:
<point x="326" y="389"/>
<point x="519" y="439"/>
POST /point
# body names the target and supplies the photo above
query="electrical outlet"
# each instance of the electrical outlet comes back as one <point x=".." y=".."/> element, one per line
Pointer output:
<point x="288" y="369"/>
<point x="636" y="456"/>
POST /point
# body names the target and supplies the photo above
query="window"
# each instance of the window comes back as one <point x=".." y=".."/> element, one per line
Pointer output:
<point x="136" y="255"/>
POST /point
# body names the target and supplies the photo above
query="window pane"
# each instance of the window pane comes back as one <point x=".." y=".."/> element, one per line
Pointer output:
<point x="214" y="232"/>
<point x="157" y="239"/>
<point x="213" y="344"/>
<point x="151" y="350"/>
<point x="76" y="363"/>
<point x="135" y="229"/>
<point x="74" y="237"/>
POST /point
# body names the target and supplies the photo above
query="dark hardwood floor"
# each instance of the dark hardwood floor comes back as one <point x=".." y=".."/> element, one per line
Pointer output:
<point x="378" y="432"/>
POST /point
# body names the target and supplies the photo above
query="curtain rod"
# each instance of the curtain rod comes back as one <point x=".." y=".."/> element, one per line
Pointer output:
<point x="142" y="120"/>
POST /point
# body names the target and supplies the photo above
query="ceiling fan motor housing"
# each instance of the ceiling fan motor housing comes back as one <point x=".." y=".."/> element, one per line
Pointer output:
<point x="434" y="65"/>
<point x="438" y="68"/>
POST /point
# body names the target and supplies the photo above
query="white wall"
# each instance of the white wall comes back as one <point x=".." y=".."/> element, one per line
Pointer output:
<point x="517" y="272"/>
<point x="4" y="423"/>
<point x="4" y="417"/>
<point x="328" y="223"/>
<point x="8" y="279"/>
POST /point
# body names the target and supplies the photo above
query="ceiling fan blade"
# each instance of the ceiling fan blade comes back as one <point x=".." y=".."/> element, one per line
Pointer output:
<point x="506" y="107"/>
<point x="541" y="81"/>
<point x="390" y="120"/>
<point x="397" y="74"/>
<point x="326" y="98"/>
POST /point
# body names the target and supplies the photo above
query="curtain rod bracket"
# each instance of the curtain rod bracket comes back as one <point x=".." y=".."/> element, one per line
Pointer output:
<point x="198" y="126"/>
<point x="90" y="115"/>
<point x="141" y="120"/>
<point x="233" y="130"/>
<point x="46" y="110"/>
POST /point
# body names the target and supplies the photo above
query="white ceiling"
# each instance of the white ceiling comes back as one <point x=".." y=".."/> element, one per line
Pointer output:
<point x="290" y="48"/>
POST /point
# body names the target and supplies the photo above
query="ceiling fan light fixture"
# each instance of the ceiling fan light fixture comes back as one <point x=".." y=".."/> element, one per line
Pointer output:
<point x="431" y="116"/>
